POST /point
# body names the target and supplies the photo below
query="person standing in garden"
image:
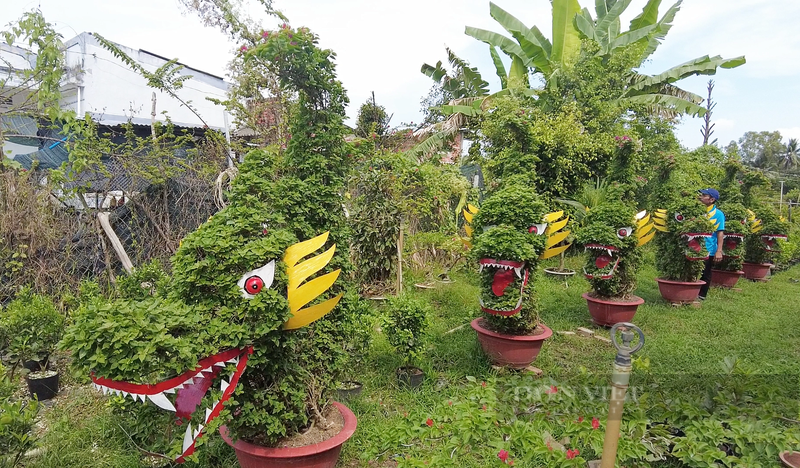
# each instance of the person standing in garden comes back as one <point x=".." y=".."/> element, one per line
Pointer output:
<point x="709" y="197"/>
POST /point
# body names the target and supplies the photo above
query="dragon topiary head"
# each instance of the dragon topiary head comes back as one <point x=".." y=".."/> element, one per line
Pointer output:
<point x="766" y="230"/>
<point x="736" y="227"/>
<point x="681" y="248"/>
<point x="512" y="231"/>
<point x="611" y="234"/>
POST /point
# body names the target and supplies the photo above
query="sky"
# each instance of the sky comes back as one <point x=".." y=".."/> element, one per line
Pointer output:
<point x="381" y="45"/>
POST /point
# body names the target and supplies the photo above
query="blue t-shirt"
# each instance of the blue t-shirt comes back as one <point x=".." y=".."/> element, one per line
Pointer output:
<point x="717" y="217"/>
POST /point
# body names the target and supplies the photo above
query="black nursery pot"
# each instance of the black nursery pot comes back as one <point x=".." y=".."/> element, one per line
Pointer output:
<point x="36" y="366"/>
<point x="411" y="377"/>
<point x="349" y="389"/>
<point x="44" y="388"/>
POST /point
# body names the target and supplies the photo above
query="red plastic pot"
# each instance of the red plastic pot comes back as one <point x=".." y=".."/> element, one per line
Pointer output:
<point x="606" y="313"/>
<point x="324" y="454"/>
<point x="679" y="291"/>
<point x="755" y="271"/>
<point x="515" y="351"/>
<point x="725" y="278"/>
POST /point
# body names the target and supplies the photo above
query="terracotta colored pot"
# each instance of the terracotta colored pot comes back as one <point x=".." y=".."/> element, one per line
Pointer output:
<point x="324" y="454"/>
<point x="790" y="459"/>
<point x="515" y="351"/>
<point x="606" y="313"/>
<point x="725" y="278"/>
<point x="679" y="291"/>
<point x="755" y="271"/>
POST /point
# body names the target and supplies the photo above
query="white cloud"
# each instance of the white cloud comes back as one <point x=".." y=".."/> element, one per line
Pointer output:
<point x="790" y="132"/>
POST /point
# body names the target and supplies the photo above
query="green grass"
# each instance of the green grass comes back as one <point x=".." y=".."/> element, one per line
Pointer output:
<point x="759" y="324"/>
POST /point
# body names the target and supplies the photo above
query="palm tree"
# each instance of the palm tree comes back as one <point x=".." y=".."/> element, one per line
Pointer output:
<point x="791" y="159"/>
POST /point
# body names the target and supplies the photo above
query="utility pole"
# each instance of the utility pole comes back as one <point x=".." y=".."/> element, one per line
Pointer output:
<point x="780" y="209"/>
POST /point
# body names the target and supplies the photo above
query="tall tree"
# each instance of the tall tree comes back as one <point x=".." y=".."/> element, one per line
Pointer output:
<point x="790" y="159"/>
<point x="708" y="127"/>
<point x="761" y="149"/>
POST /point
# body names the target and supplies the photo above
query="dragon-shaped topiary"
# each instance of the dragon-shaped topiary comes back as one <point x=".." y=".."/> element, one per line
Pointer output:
<point x="681" y="248"/>
<point x="510" y="233"/>
<point x="231" y="337"/>
<point x="736" y="228"/>
<point x="766" y="230"/>
<point x="611" y="234"/>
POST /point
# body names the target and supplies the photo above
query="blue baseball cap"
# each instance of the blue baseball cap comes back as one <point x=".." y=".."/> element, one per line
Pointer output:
<point x="710" y="192"/>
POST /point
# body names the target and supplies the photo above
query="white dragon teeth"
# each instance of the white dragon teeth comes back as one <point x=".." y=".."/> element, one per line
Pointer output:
<point x="219" y="364"/>
<point x="223" y="385"/>
<point x="518" y="270"/>
<point x="234" y="361"/>
<point x="208" y="414"/>
<point x="162" y="401"/>
<point x="187" y="437"/>
<point x="198" y="430"/>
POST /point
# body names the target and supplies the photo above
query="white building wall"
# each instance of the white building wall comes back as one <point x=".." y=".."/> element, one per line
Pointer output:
<point x="112" y="92"/>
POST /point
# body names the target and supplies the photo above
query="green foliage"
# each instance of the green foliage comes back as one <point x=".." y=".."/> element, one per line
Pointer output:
<point x="549" y="151"/>
<point x="759" y="248"/>
<point x="30" y="327"/>
<point x="147" y="280"/>
<point x="678" y="257"/>
<point x="371" y="120"/>
<point x="16" y="430"/>
<point x="504" y="232"/>
<point x="602" y="226"/>
<point x="406" y="326"/>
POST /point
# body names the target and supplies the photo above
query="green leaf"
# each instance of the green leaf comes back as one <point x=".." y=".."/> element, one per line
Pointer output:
<point x="505" y="44"/>
<point x="605" y="26"/>
<point x="648" y="16"/>
<point x="566" y="40"/>
<point x="500" y="69"/>
<point x="676" y="104"/>
<point x="529" y="42"/>
<point x="664" y="25"/>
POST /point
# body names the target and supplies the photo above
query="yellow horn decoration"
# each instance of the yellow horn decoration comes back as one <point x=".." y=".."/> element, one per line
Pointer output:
<point x="556" y="238"/>
<point x="301" y="249"/>
<point x="310" y="314"/>
<point x="298" y="295"/>
<point x="646" y="238"/>
<point x="468" y="230"/>
<point x="643" y="222"/>
<point x="467" y="216"/>
<point x="557" y="226"/>
<point x="550" y="217"/>
<point x="660" y="228"/>
<point x="554" y="251"/>
<point x="644" y="230"/>
<point x="472" y="208"/>
<point x="299" y="273"/>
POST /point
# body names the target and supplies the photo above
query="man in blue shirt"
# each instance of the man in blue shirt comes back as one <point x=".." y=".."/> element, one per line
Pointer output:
<point x="709" y="197"/>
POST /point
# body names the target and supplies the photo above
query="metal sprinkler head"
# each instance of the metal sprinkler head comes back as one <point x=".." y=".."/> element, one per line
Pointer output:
<point x="629" y="332"/>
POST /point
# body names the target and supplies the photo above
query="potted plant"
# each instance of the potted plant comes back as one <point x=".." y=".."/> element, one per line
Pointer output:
<point x="31" y="327"/>
<point x="681" y="249"/>
<point x="611" y="234"/>
<point x="405" y="327"/>
<point x="727" y="272"/>
<point x="762" y="243"/>
<point x="511" y="232"/>
<point x="253" y="331"/>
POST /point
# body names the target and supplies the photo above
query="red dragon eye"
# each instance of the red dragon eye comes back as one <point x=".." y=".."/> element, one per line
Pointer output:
<point x="623" y="232"/>
<point x="253" y="285"/>
<point x="678" y="217"/>
<point x="533" y="230"/>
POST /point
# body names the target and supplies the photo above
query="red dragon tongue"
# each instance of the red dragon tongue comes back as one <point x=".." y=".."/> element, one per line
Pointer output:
<point x="770" y="242"/>
<point x="601" y="261"/>
<point x="190" y="396"/>
<point x="730" y="244"/>
<point x="694" y="245"/>
<point x="501" y="281"/>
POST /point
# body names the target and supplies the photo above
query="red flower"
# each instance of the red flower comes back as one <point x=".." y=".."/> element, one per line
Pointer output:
<point x="552" y="389"/>
<point x="483" y="384"/>
<point x="429" y="422"/>
<point x="572" y="454"/>
<point x="265" y="34"/>
<point x="484" y="407"/>
<point x="595" y="423"/>
<point x="502" y="455"/>
<point x="549" y="447"/>
<point x="450" y="403"/>
<point x="243" y="48"/>
<point x="580" y="419"/>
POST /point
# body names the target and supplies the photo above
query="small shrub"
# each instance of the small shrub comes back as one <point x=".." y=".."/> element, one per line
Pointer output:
<point x="406" y="326"/>
<point x="31" y="327"/>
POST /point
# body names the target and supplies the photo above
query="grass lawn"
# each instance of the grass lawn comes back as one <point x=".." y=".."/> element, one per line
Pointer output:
<point x="757" y="328"/>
